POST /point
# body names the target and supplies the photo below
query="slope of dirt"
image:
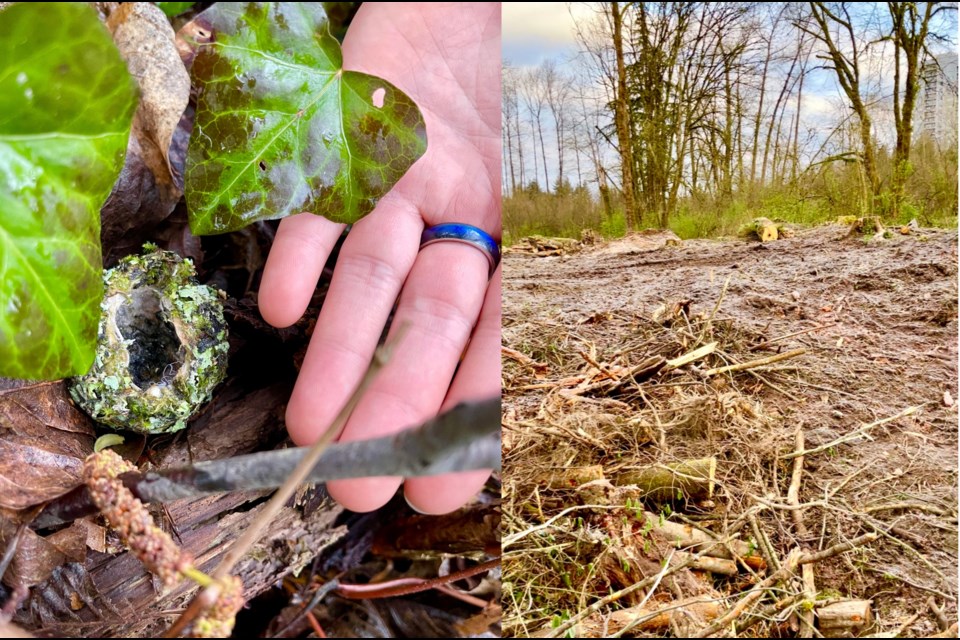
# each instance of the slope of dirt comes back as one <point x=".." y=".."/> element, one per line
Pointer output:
<point x="878" y="321"/>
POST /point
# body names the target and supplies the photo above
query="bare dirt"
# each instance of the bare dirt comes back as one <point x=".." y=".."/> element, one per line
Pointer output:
<point x="878" y="321"/>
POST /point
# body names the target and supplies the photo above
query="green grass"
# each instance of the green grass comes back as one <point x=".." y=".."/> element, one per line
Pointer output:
<point x="615" y="226"/>
<point x="566" y="215"/>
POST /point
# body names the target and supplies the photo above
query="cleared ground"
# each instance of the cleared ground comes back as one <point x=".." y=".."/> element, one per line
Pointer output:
<point x="878" y="321"/>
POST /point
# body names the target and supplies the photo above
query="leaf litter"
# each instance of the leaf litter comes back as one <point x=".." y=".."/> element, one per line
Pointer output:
<point x="107" y="593"/>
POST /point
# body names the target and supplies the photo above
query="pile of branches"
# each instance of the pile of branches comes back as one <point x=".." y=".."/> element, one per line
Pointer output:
<point x="543" y="246"/>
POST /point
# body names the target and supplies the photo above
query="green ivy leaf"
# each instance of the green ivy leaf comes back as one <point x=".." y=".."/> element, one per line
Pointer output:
<point x="173" y="9"/>
<point x="281" y="128"/>
<point x="66" y="103"/>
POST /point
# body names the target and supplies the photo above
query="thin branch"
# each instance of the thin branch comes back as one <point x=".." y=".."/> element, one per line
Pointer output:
<point x="250" y="536"/>
<point x="464" y="438"/>
<point x="756" y="363"/>
<point x="859" y="433"/>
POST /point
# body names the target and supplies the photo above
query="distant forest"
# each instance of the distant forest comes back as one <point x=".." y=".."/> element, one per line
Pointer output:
<point x="700" y="115"/>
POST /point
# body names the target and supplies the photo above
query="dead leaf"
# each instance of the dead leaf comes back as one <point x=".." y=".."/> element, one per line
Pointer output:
<point x="471" y="530"/>
<point x="96" y="536"/>
<point x="146" y="41"/>
<point x="151" y="182"/>
<point x="481" y="622"/>
<point x="43" y="441"/>
<point x="37" y="556"/>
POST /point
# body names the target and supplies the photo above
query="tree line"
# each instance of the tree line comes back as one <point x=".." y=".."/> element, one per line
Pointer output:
<point x="672" y="102"/>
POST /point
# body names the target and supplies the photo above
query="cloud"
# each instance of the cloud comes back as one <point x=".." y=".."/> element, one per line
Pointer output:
<point x="818" y="105"/>
<point x="548" y="22"/>
<point x="533" y="32"/>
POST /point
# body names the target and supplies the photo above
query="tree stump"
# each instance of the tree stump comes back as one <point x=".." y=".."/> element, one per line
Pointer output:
<point x="846" y="619"/>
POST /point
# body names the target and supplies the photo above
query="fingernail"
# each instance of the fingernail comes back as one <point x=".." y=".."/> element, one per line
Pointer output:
<point x="413" y="506"/>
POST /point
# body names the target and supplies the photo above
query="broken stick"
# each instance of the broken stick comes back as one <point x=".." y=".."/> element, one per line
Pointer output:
<point x="845" y="619"/>
<point x="759" y="362"/>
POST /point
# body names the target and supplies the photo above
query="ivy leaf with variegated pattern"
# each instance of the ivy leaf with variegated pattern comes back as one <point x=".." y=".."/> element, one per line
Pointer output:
<point x="281" y="128"/>
<point x="66" y="103"/>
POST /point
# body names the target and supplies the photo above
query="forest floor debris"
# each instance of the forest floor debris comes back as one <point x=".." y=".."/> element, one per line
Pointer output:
<point x="817" y="374"/>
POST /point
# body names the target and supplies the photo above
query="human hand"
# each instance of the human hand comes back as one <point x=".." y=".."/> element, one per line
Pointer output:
<point x="446" y="57"/>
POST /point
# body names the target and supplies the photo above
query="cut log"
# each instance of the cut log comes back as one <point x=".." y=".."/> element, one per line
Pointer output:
<point x="569" y="478"/>
<point x="649" y="618"/>
<point x="685" y="537"/>
<point x="719" y="566"/>
<point x="845" y="619"/>
<point x="590" y="237"/>
<point x="544" y="246"/>
<point x="869" y="226"/>
<point x="686" y="480"/>
<point x="763" y="229"/>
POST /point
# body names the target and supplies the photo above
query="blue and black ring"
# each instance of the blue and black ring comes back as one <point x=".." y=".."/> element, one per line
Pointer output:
<point x="467" y="234"/>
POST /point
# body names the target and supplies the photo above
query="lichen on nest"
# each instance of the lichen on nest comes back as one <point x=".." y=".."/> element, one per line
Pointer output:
<point x="162" y="345"/>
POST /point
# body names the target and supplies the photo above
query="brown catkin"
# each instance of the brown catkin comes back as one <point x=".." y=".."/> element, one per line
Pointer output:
<point x="218" y="620"/>
<point x="130" y="519"/>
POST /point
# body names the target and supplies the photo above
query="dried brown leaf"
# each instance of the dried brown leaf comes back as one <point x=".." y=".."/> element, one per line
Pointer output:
<point x="146" y="41"/>
<point x="43" y="441"/>
<point x="37" y="557"/>
<point x="151" y="182"/>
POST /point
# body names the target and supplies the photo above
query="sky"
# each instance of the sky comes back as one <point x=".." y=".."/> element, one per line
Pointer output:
<point x="533" y="32"/>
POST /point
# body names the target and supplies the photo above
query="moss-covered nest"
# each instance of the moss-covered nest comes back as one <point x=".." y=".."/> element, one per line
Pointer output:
<point x="162" y="346"/>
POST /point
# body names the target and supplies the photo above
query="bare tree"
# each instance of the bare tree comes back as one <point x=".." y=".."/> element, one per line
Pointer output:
<point x="832" y="25"/>
<point x="769" y="36"/>
<point x="623" y="123"/>
<point x="534" y="98"/>
<point x="556" y="89"/>
<point x="510" y="134"/>
<point x="910" y="29"/>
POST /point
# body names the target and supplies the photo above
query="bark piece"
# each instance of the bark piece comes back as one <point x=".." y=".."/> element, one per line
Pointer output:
<point x="473" y="530"/>
<point x="652" y="617"/>
<point x="845" y="619"/>
<point x="686" y="480"/>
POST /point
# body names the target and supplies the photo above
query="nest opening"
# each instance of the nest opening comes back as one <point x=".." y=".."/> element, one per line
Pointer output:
<point x="155" y="352"/>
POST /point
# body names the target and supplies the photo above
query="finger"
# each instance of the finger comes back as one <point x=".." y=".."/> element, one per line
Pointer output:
<point x="439" y="304"/>
<point x="300" y="249"/>
<point x="477" y="378"/>
<point x="373" y="263"/>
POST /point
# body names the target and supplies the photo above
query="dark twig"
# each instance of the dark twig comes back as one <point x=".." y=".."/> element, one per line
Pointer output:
<point x="462" y="439"/>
